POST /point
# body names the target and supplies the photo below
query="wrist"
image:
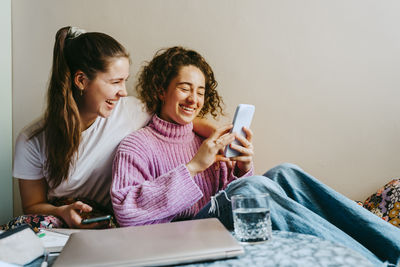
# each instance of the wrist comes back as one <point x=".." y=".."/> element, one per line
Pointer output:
<point x="193" y="170"/>
<point x="241" y="170"/>
<point x="59" y="211"/>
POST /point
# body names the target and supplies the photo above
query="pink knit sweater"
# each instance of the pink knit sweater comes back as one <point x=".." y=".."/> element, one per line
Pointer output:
<point x="151" y="183"/>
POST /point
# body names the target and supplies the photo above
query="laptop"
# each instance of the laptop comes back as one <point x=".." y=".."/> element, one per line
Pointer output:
<point x="151" y="245"/>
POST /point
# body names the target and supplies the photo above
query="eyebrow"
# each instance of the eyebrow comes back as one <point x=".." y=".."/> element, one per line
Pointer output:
<point x="203" y="87"/>
<point x="120" y="78"/>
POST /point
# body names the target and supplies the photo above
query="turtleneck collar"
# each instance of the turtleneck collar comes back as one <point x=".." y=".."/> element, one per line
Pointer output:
<point x="171" y="131"/>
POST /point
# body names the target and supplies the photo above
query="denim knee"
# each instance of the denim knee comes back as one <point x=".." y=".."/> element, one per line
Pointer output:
<point x="253" y="185"/>
<point x="284" y="167"/>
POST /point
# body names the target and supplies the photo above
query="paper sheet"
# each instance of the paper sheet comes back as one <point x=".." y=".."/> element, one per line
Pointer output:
<point x="52" y="241"/>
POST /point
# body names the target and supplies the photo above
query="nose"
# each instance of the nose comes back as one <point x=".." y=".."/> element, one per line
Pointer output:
<point x="192" y="97"/>
<point x="122" y="92"/>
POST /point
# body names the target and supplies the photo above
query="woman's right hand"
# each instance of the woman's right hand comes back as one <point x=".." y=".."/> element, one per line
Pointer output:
<point x="209" y="149"/>
<point x="34" y="201"/>
<point x="71" y="214"/>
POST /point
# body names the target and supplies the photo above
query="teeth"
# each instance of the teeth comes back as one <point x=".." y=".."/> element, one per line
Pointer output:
<point x="187" y="109"/>
<point x="111" y="102"/>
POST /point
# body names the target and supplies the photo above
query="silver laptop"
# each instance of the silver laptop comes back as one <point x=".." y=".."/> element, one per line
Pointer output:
<point x="150" y="245"/>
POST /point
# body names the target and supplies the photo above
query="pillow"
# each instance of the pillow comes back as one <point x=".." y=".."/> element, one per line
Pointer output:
<point x="386" y="202"/>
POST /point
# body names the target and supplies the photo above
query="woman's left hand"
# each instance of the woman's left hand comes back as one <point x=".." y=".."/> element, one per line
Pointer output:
<point x="244" y="161"/>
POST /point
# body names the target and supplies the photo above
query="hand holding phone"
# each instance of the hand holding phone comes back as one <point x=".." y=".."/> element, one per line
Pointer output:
<point x="242" y="118"/>
<point x="96" y="219"/>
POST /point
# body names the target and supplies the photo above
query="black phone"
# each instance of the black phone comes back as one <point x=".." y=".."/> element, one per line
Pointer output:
<point x="96" y="219"/>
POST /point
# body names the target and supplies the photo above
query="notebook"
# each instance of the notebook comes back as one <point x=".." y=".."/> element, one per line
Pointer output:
<point x="150" y="245"/>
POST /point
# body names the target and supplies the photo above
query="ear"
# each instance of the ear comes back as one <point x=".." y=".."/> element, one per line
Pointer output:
<point x="80" y="80"/>
<point x="161" y="95"/>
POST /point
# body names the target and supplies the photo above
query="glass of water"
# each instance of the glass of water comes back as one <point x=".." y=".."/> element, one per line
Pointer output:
<point x="251" y="218"/>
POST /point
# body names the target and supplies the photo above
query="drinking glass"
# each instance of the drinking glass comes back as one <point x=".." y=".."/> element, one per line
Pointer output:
<point x="251" y="218"/>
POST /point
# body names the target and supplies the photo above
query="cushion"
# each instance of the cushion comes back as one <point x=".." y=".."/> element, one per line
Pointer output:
<point x="386" y="202"/>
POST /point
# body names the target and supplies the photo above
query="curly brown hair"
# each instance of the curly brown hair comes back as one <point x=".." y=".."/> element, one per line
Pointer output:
<point x="156" y="75"/>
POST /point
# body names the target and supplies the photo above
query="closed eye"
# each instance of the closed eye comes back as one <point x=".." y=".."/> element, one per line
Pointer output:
<point x="184" y="88"/>
<point x="117" y="81"/>
<point x="201" y="91"/>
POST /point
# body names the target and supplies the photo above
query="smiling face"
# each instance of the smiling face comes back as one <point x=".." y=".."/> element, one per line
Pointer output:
<point x="184" y="97"/>
<point x="102" y="93"/>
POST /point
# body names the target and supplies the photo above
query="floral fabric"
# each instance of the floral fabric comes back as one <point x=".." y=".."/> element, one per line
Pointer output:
<point x="385" y="203"/>
<point x="39" y="221"/>
<point x="35" y="221"/>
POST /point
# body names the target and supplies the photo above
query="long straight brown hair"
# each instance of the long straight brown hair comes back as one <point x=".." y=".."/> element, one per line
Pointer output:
<point x="90" y="53"/>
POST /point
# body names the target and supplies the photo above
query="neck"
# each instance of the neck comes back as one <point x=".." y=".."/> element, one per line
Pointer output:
<point x="167" y="119"/>
<point x="86" y="121"/>
<point x="172" y="131"/>
<point x="86" y="118"/>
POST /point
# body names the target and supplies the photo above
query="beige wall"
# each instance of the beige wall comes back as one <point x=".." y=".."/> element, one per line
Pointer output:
<point x="324" y="75"/>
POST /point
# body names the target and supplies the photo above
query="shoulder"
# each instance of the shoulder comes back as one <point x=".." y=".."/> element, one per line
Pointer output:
<point x="132" y="103"/>
<point x="130" y="111"/>
<point x="133" y="106"/>
<point x="29" y="153"/>
<point x="35" y="125"/>
<point x="25" y="136"/>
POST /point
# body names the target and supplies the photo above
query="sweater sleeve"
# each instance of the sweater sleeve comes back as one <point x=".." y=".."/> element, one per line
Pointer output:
<point x="139" y="198"/>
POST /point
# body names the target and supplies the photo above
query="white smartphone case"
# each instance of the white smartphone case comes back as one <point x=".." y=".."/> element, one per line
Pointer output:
<point x="242" y="118"/>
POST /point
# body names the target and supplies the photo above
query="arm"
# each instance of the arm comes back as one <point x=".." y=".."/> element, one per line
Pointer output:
<point x="139" y="198"/>
<point x="28" y="169"/>
<point x="33" y="197"/>
<point x="203" y="127"/>
<point x="34" y="201"/>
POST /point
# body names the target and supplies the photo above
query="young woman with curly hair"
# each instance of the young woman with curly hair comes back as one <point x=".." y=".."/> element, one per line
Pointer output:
<point x="164" y="172"/>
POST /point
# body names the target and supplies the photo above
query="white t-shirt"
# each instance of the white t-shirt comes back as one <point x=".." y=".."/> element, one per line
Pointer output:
<point x="91" y="175"/>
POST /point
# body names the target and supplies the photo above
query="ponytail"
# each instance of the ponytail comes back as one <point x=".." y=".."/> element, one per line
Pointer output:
<point x="73" y="50"/>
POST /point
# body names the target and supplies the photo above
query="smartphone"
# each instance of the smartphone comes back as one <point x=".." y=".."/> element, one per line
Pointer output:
<point x="242" y="118"/>
<point x="96" y="219"/>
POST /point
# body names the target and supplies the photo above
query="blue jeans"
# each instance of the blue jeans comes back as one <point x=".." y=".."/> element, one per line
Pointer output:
<point x="300" y="203"/>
